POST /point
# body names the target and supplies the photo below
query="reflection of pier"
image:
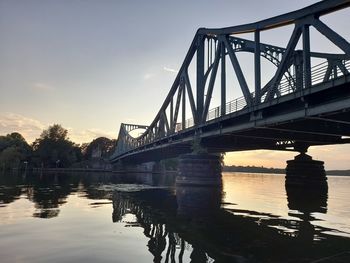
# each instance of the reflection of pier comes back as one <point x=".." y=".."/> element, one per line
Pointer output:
<point x="221" y="234"/>
<point x="162" y="238"/>
<point x="307" y="199"/>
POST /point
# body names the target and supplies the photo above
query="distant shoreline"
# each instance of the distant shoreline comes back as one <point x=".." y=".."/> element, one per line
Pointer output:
<point x="254" y="169"/>
<point x="232" y="168"/>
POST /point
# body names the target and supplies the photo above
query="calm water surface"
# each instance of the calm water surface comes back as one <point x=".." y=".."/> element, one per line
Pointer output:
<point x="143" y="218"/>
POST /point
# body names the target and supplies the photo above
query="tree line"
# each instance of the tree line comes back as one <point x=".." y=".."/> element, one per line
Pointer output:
<point x="52" y="149"/>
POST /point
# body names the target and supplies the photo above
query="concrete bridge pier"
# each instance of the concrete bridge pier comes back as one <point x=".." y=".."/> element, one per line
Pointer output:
<point x="304" y="172"/>
<point x="199" y="170"/>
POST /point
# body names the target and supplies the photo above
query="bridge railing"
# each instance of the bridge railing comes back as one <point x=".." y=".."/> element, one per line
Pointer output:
<point x="318" y="76"/>
<point x="318" y="72"/>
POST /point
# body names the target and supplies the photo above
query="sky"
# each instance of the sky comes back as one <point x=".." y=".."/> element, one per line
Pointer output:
<point x="90" y="65"/>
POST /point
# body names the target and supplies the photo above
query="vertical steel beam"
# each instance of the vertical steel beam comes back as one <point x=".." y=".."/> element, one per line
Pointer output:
<point x="223" y="78"/>
<point x="200" y="77"/>
<point x="306" y="56"/>
<point x="210" y="46"/>
<point x="211" y="85"/>
<point x="182" y="83"/>
<point x="335" y="71"/>
<point x="208" y="62"/>
<point x="172" y="114"/>
<point x="177" y="105"/>
<point x="298" y="69"/>
<point x="257" y="67"/>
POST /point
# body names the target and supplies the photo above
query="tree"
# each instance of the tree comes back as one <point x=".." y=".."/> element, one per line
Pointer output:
<point x="10" y="157"/>
<point x="13" y="150"/>
<point x="13" y="139"/>
<point x="54" y="149"/>
<point x="102" y="145"/>
<point x="55" y="133"/>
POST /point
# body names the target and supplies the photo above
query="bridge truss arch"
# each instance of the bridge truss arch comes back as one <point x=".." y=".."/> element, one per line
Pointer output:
<point x="210" y="49"/>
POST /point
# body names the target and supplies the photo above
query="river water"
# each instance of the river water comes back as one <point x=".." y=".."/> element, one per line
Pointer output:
<point x="144" y="218"/>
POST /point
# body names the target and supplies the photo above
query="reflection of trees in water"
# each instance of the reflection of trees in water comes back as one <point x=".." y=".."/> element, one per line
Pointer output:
<point x="49" y="192"/>
<point x="10" y="188"/>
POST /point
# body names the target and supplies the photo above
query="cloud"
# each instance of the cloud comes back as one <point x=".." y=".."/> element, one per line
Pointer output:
<point x="170" y="70"/>
<point x="28" y="127"/>
<point x="148" y="76"/>
<point x="42" y="87"/>
<point x="89" y="134"/>
<point x="31" y="129"/>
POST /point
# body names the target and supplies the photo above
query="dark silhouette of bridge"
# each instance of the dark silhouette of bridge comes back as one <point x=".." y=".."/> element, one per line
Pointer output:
<point x="305" y="103"/>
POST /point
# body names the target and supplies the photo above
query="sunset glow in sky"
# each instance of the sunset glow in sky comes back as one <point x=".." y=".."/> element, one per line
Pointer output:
<point x="90" y="65"/>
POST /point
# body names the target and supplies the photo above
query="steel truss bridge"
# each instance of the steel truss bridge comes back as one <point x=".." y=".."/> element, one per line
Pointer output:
<point x="303" y="104"/>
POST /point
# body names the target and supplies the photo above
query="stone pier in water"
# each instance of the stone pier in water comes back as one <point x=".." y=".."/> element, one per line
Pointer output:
<point x="305" y="172"/>
<point x="199" y="170"/>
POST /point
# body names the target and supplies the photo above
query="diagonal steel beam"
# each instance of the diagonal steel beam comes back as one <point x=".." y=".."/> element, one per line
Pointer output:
<point x="200" y="76"/>
<point x="328" y="71"/>
<point x="285" y="62"/>
<point x="336" y="39"/>
<point x="238" y="70"/>
<point x="177" y="105"/>
<point x="341" y="66"/>
<point x="190" y="96"/>
<point x="166" y="123"/>
<point x="188" y="58"/>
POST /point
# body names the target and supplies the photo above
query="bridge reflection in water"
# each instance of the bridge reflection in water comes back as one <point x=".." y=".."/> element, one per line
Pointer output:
<point x="198" y="223"/>
<point x="193" y="221"/>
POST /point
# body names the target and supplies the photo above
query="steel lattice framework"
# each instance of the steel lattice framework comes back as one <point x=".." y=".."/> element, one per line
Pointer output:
<point x="294" y="78"/>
